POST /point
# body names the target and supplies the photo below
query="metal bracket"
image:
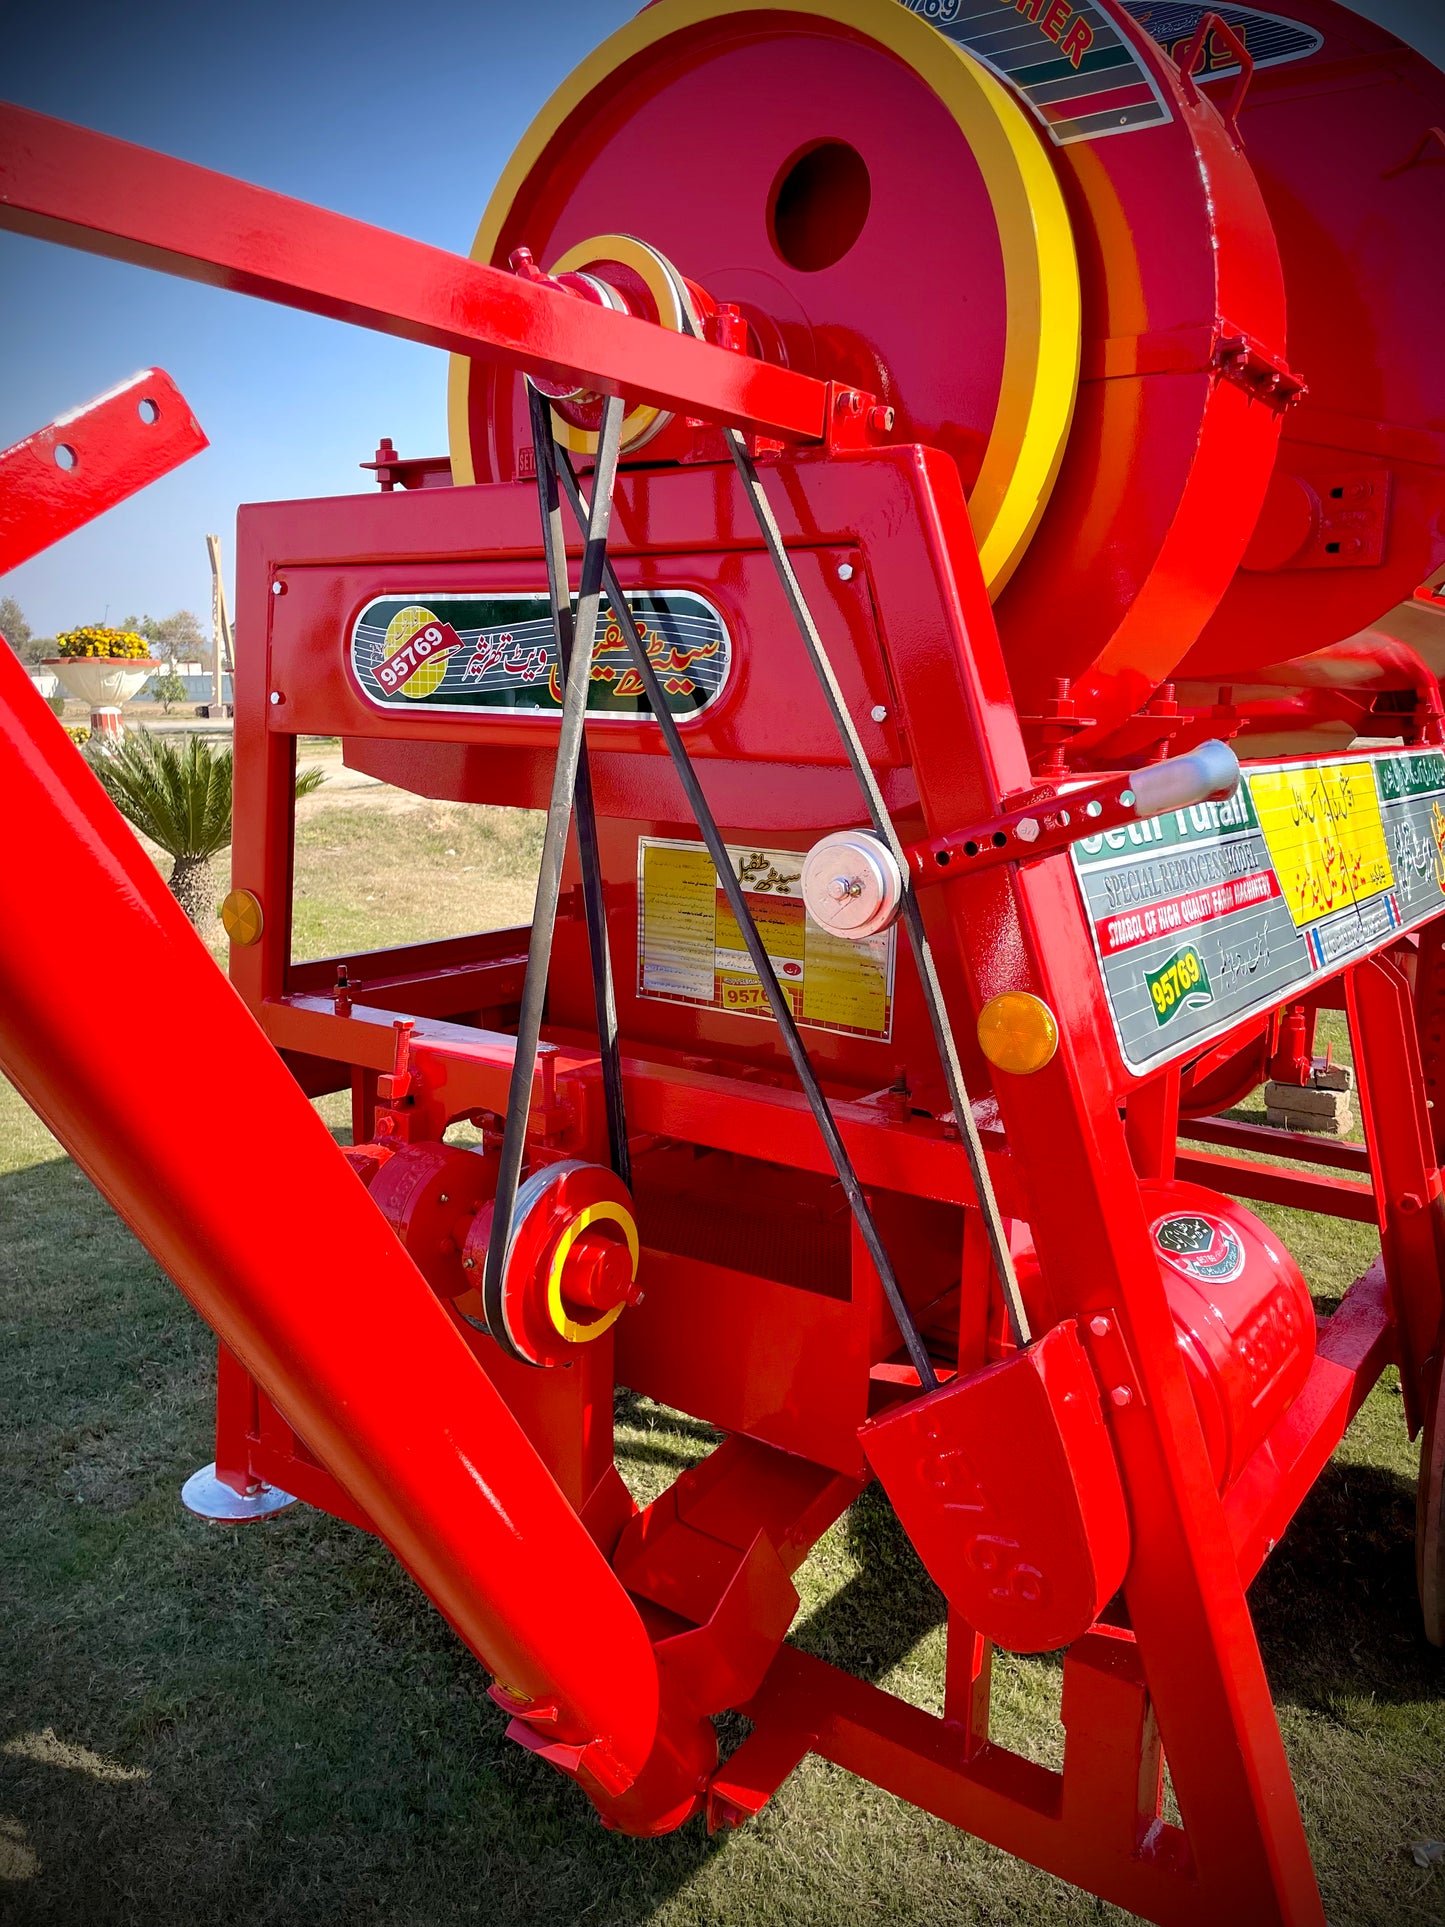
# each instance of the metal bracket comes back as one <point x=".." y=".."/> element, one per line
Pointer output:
<point x="1264" y="376"/>
<point x="63" y="476"/>
<point x="1189" y="59"/>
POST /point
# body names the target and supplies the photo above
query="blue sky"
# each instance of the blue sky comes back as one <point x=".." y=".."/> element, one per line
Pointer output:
<point x="400" y="114"/>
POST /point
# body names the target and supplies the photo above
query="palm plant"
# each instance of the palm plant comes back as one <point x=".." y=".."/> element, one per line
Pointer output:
<point x="178" y="795"/>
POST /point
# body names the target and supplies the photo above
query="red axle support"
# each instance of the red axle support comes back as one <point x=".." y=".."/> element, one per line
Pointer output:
<point x="105" y="196"/>
<point x="63" y="476"/>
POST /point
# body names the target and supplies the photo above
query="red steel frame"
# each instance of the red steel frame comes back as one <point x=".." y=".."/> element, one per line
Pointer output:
<point x="591" y="1630"/>
<point x="1185" y="1672"/>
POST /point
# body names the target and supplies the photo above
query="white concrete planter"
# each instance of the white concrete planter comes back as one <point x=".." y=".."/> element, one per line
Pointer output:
<point x="101" y="681"/>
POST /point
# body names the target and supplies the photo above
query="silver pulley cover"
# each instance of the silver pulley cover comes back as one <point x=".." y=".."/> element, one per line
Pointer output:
<point x="852" y="885"/>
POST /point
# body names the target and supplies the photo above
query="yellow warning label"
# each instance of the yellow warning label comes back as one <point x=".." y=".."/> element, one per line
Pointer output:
<point x="691" y="951"/>
<point x="1322" y="824"/>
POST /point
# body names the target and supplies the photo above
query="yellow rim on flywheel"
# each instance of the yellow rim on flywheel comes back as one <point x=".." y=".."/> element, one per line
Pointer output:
<point x="642" y="422"/>
<point x="578" y="1331"/>
<point x="1041" y="276"/>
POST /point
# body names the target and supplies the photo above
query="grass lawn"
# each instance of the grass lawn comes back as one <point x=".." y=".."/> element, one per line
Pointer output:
<point x="271" y="1725"/>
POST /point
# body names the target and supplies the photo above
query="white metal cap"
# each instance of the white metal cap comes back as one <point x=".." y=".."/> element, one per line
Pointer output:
<point x="851" y="884"/>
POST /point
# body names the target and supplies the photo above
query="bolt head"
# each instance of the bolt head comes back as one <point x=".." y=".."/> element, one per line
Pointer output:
<point x="845" y="571"/>
<point x="878" y="713"/>
<point x="1099" y="1327"/>
<point x="1121" y="1396"/>
<point x="275" y="695"/>
<point x="278" y="588"/>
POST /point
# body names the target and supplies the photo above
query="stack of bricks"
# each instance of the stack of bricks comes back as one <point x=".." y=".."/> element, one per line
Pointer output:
<point x="1322" y="1105"/>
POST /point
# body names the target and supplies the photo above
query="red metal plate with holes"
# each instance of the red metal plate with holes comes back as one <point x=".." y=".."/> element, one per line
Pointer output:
<point x="63" y="476"/>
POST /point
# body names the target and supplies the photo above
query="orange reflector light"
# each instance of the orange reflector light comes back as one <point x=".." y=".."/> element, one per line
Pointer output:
<point x="1017" y="1032"/>
<point x="242" y="915"/>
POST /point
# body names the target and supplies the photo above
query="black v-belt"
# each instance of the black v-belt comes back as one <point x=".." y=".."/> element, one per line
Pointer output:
<point x="575" y="641"/>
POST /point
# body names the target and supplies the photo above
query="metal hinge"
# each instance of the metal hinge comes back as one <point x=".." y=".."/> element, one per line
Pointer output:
<point x="1247" y="363"/>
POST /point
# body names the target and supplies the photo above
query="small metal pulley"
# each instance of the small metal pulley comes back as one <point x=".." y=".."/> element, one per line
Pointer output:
<point x="852" y="884"/>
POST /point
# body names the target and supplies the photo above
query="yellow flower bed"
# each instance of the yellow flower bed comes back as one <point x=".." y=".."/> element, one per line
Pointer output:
<point x="93" y="640"/>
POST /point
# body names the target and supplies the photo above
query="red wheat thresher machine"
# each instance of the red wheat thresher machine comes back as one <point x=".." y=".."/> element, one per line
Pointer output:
<point x="921" y="483"/>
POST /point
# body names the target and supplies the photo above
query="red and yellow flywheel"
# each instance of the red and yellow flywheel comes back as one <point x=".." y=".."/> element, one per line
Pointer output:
<point x="876" y="203"/>
<point x="571" y="1263"/>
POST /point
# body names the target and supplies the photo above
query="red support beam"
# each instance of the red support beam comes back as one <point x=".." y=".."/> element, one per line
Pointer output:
<point x="1272" y="1184"/>
<point x="1268" y="1141"/>
<point x="105" y="196"/>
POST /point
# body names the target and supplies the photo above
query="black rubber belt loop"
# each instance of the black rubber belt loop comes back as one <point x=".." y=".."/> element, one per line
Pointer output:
<point x="882" y="825"/>
<point x="554" y="844"/>
<point x="589" y="856"/>
<point x="761" y="961"/>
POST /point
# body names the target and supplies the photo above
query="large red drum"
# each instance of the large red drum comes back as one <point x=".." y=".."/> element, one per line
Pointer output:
<point x="1027" y="238"/>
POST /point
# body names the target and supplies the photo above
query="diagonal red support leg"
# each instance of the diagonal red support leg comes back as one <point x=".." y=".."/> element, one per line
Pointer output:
<point x="1402" y="1158"/>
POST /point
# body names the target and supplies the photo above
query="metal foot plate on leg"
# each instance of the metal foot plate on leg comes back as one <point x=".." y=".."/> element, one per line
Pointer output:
<point x="211" y="1498"/>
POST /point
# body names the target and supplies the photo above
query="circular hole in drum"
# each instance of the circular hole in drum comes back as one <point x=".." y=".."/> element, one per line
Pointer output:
<point x="818" y="205"/>
<point x="148" y="410"/>
<point x="64" y="455"/>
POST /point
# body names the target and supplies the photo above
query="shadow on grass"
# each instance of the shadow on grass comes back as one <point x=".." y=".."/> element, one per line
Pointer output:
<point x="1335" y="1606"/>
<point x="880" y="1614"/>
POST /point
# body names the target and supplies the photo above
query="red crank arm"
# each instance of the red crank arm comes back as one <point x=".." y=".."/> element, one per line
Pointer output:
<point x="63" y="476"/>
<point x="1053" y="820"/>
<point x="105" y="196"/>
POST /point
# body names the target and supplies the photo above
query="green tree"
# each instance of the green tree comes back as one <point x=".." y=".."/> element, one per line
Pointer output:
<point x="179" y="795"/>
<point x="18" y="633"/>
<point x="168" y="688"/>
<point x="175" y="638"/>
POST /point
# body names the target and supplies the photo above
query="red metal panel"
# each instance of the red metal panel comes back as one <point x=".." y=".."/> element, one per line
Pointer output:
<point x="767" y="710"/>
<point x="1006" y="1485"/>
<point x="786" y="1366"/>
